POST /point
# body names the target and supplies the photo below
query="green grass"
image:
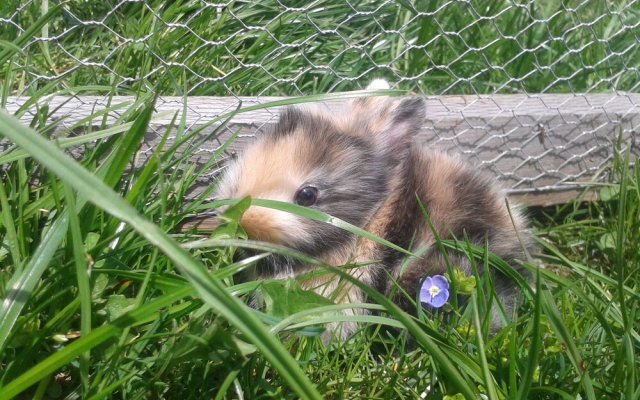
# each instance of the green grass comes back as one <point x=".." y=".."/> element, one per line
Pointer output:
<point x="252" y="48"/>
<point x="103" y="297"/>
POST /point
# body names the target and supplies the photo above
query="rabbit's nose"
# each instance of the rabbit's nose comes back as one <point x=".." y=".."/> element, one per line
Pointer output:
<point x="261" y="224"/>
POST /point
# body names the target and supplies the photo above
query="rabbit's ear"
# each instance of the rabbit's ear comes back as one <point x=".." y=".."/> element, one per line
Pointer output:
<point x="290" y="119"/>
<point x="389" y="123"/>
<point x="403" y="122"/>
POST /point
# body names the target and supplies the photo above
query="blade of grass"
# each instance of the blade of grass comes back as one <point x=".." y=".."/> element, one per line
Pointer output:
<point x="552" y="313"/>
<point x="10" y="229"/>
<point x="224" y="387"/>
<point x="513" y="363"/>
<point x="545" y="390"/>
<point x="112" y="169"/>
<point x="496" y="262"/>
<point x="108" y="391"/>
<point x="620" y="260"/>
<point x="534" y="350"/>
<point x="21" y="285"/>
<point x="63" y="143"/>
<point x="141" y="180"/>
<point x="629" y="359"/>
<point x="627" y="349"/>
<point x="301" y="319"/>
<point x="489" y="382"/>
<point x="254" y="245"/>
<point x="171" y="282"/>
<point x="82" y="276"/>
<point x="23" y="197"/>
<point x="321" y="217"/>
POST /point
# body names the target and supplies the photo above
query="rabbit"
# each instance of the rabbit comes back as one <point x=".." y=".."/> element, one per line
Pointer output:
<point x="363" y="166"/>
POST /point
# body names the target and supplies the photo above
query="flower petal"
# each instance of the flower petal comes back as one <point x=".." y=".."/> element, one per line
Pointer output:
<point x="425" y="294"/>
<point x="440" y="299"/>
<point x="440" y="281"/>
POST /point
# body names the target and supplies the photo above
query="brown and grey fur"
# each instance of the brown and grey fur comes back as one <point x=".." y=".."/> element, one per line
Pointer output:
<point x="368" y="170"/>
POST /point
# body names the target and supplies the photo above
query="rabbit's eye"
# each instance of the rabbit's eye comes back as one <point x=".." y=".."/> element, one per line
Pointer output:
<point x="306" y="196"/>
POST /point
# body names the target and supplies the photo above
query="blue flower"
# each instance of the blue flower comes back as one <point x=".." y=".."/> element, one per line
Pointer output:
<point x="435" y="291"/>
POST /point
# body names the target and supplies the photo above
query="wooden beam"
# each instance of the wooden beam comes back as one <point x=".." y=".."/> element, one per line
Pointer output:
<point x="543" y="148"/>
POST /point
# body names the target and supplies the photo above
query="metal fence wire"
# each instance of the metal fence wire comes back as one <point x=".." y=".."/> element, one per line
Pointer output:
<point x="561" y="61"/>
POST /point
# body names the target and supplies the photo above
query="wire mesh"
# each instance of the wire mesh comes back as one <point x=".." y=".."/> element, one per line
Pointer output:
<point x="480" y="50"/>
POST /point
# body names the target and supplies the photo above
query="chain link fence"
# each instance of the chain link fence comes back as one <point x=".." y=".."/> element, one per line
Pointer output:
<point x="533" y="91"/>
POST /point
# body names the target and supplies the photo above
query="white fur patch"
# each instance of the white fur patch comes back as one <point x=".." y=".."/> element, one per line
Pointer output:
<point x="378" y="84"/>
